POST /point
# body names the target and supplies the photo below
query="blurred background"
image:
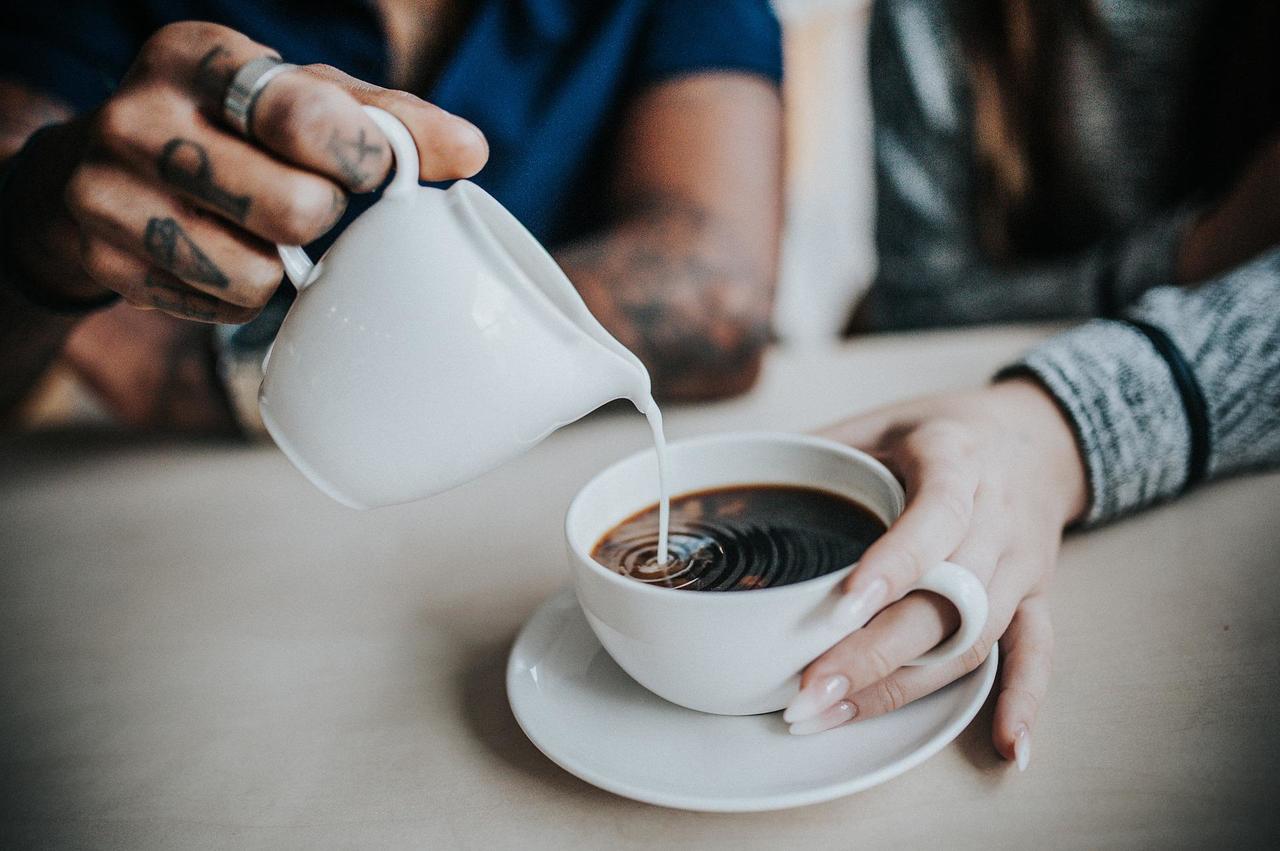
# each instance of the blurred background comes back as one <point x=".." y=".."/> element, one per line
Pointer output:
<point x="828" y="252"/>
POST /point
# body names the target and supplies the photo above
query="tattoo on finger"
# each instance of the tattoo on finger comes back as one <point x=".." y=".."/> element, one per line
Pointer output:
<point x="190" y="304"/>
<point x="350" y="156"/>
<point x="169" y="245"/>
<point x="210" y="81"/>
<point x="185" y="164"/>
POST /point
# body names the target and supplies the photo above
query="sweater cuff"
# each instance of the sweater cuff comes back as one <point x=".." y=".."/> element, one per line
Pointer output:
<point x="1126" y="411"/>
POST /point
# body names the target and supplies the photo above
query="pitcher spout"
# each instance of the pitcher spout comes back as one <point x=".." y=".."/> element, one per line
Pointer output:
<point x="612" y="370"/>
<point x="620" y="375"/>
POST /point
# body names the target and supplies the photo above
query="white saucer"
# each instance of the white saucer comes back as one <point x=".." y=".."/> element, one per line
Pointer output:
<point x="593" y="720"/>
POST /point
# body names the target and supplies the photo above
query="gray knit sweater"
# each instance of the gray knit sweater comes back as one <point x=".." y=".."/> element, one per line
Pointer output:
<point x="1127" y="408"/>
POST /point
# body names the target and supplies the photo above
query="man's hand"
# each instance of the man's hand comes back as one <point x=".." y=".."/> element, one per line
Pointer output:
<point x="167" y="206"/>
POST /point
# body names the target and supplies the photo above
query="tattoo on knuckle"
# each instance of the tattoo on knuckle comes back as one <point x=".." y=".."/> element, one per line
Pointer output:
<point x="356" y="157"/>
<point x="168" y="244"/>
<point x="213" y="73"/>
<point x="184" y="164"/>
<point x="184" y="303"/>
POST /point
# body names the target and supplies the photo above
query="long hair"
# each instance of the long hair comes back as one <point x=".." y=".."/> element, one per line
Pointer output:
<point x="1029" y="201"/>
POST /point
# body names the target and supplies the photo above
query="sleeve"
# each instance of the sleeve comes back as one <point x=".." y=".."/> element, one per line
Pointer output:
<point x="687" y="36"/>
<point x="931" y="268"/>
<point x="1135" y="427"/>
<point x="76" y="51"/>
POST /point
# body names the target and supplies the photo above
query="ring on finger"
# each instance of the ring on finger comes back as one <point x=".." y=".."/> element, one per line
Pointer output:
<point x="246" y="86"/>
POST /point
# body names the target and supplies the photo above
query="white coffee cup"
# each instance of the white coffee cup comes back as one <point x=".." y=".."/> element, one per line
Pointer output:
<point x="737" y="652"/>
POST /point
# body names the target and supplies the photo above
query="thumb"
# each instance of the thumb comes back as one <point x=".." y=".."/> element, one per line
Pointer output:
<point x="448" y="146"/>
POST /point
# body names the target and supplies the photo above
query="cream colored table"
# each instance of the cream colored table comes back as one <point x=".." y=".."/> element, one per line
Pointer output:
<point x="200" y="650"/>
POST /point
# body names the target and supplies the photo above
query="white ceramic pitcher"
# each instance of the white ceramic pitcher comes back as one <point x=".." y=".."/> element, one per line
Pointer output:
<point x="434" y="341"/>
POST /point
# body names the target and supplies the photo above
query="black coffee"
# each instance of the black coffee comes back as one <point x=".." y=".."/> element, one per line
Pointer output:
<point x="742" y="537"/>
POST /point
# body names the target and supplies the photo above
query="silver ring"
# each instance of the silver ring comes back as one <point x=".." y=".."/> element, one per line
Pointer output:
<point x="246" y="85"/>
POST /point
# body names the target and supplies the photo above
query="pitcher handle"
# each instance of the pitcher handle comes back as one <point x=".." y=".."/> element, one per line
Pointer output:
<point x="297" y="265"/>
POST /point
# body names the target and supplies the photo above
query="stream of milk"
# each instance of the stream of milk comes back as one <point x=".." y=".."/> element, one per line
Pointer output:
<point x="654" y="416"/>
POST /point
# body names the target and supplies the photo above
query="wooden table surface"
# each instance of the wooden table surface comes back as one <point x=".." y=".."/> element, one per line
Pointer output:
<point x="201" y="651"/>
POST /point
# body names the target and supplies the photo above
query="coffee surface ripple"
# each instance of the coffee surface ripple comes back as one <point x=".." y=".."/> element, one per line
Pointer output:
<point x="742" y="539"/>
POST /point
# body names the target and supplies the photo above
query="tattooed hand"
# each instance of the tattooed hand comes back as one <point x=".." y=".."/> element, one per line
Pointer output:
<point x="165" y="205"/>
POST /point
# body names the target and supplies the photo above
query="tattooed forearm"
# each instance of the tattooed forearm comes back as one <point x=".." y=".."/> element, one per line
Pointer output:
<point x="672" y="287"/>
<point x="351" y="156"/>
<point x="185" y="164"/>
<point x="168" y="244"/>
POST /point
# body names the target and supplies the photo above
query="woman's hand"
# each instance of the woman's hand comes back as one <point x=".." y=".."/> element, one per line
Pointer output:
<point x="152" y="196"/>
<point x="991" y="477"/>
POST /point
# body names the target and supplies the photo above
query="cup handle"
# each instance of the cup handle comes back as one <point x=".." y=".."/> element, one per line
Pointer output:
<point x="967" y="593"/>
<point x="297" y="265"/>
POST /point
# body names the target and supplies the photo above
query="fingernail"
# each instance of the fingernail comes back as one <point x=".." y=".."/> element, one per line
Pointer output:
<point x="858" y="607"/>
<point x="833" y="717"/>
<point x="1022" y="747"/>
<point x="816" y="698"/>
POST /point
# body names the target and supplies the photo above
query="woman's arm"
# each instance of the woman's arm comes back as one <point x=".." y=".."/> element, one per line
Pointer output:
<point x="1191" y="391"/>
<point x="684" y="275"/>
<point x="1092" y="423"/>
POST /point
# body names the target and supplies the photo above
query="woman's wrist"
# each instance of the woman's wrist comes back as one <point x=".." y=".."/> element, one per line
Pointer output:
<point x="1035" y="413"/>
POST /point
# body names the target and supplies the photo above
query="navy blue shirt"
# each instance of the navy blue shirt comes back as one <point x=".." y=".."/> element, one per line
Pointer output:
<point x="544" y="79"/>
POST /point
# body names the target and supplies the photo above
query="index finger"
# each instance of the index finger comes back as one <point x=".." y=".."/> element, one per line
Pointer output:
<point x="315" y="124"/>
<point x="306" y="120"/>
<point x="448" y="146"/>
<point x="941" y="480"/>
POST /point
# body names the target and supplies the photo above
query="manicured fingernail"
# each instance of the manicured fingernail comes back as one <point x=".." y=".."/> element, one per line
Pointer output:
<point x="816" y="698"/>
<point x="1022" y="747"/>
<point x="858" y="607"/>
<point x="833" y="717"/>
